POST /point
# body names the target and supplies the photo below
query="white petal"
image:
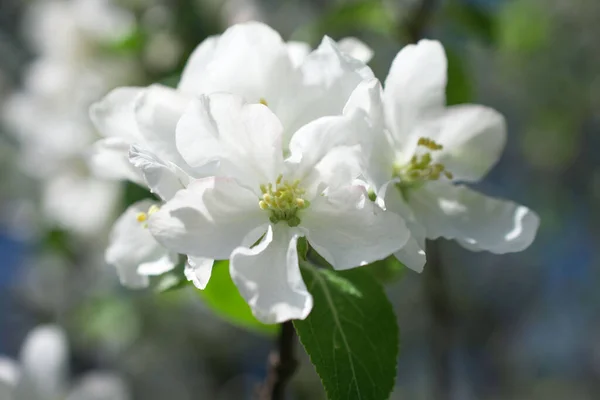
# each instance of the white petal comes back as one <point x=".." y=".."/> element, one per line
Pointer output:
<point x="328" y="78"/>
<point x="248" y="59"/>
<point x="297" y="52"/>
<point x="157" y="111"/>
<point x="378" y="151"/>
<point x="478" y="222"/>
<point x="349" y="230"/>
<point x="163" y="178"/>
<point x="131" y="246"/>
<point x="367" y="96"/>
<point x="109" y="159"/>
<point x="355" y="48"/>
<point x="9" y="376"/>
<point x="339" y="168"/>
<point x="342" y="71"/>
<point x="200" y="59"/>
<point x="244" y="138"/>
<point x="100" y="386"/>
<point x="198" y="270"/>
<point x="159" y="266"/>
<point x="268" y="277"/>
<point x="210" y="218"/>
<point x="412" y="254"/>
<point x="44" y="358"/>
<point x="473" y="137"/>
<point x="329" y="151"/>
<point x="415" y="87"/>
<point x="113" y="116"/>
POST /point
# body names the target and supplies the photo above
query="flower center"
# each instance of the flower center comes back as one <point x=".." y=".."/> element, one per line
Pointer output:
<point x="283" y="201"/>
<point x="421" y="169"/>
<point x="142" y="217"/>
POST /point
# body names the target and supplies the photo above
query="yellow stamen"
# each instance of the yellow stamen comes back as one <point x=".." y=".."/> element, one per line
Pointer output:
<point x="263" y="102"/>
<point x="421" y="168"/>
<point x="141" y="217"/>
<point x="283" y="201"/>
<point x="429" y="143"/>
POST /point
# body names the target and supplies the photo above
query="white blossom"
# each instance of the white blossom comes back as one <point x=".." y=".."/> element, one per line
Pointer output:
<point x="133" y="250"/>
<point x="259" y="203"/>
<point x="423" y="152"/>
<point x="42" y="373"/>
<point x="250" y="60"/>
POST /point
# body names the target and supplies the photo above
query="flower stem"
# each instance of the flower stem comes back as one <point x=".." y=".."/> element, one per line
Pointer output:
<point x="281" y="365"/>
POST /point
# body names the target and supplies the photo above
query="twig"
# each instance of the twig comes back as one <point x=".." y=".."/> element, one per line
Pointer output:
<point x="282" y="365"/>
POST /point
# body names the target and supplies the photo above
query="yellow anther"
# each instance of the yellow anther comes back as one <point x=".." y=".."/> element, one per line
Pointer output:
<point x="283" y="200"/>
<point x="429" y="143"/>
<point x="141" y="217"/>
<point x="263" y="102"/>
<point x="421" y="167"/>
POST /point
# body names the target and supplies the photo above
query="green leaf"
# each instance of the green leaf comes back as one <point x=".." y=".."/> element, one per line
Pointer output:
<point x="223" y="298"/>
<point x="387" y="270"/>
<point x="302" y="248"/>
<point x="351" y="334"/>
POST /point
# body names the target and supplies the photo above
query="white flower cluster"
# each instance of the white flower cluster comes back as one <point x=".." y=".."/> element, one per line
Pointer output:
<point x="49" y="115"/>
<point x="264" y="142"/>
<point x="43" y="371"/>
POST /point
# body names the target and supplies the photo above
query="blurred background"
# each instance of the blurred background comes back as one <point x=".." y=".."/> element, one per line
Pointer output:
<point x="476" y="326"/>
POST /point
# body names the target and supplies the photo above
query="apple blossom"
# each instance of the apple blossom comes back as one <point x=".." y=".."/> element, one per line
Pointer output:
<point x="422" y="151"/>
<point x="258" y="204"/>
<point x="248" y="59"/>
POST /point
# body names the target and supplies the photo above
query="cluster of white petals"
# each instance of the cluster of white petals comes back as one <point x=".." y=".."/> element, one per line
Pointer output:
<point x="42" y="373"/>
<point x="423" y="152"/>
<point x="264" y="142"/>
